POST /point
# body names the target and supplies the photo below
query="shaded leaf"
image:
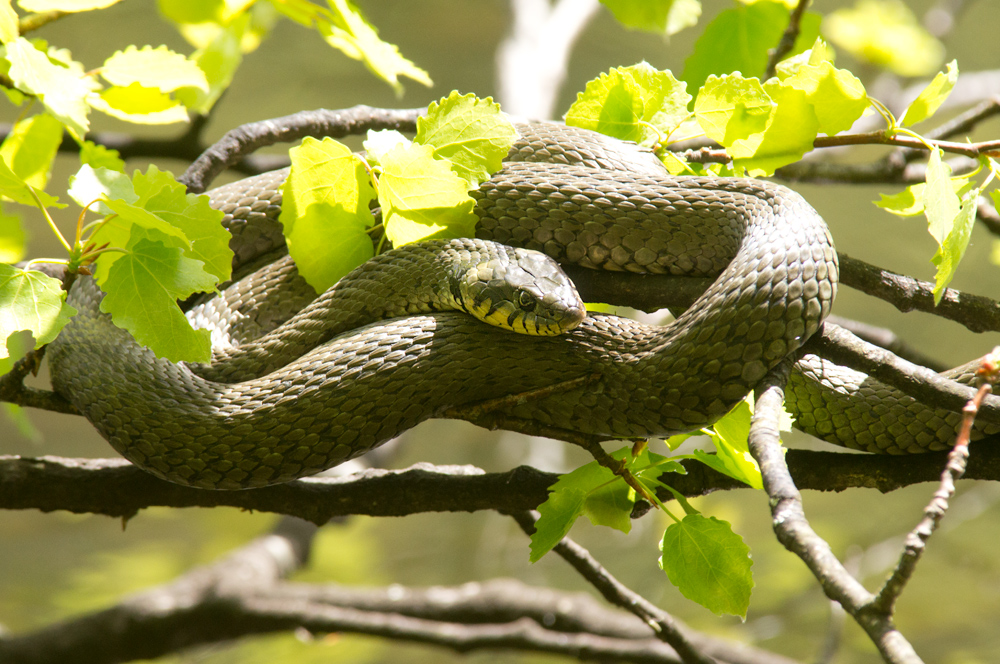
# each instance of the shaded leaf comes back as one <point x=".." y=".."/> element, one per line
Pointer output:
<point x="667" y="17"/>
<point x="709" y="564"/>
<point x="930" y="99"/>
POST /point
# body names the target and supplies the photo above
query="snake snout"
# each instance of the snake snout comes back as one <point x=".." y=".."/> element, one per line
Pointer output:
<point x="524" y="292"/>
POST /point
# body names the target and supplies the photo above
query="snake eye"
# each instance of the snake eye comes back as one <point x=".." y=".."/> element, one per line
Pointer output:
<point x="525" y="300"/>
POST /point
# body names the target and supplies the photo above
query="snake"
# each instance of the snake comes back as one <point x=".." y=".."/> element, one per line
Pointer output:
<point x="574" y="195"/>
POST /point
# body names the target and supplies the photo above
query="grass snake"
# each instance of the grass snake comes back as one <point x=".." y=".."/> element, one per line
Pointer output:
<point x="298" y="407"/>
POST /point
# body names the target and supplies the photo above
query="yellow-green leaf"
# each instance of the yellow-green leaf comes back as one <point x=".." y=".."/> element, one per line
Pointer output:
<point x="885" y="33"/>
<point x="789" y="134"/>
<point x="32" y="301"/>
<point x="8" y="22"/>
<point x="837" y="96"/>
<point x="65" y="5"/>
<point x="349" y="32"/>
<point x="422" y="198"/>
<point x="12" y="237"/>
<point x="930" y="99"/>
<point x="139" y="104"/>
<point x="63" y="90"/>
<point x="218" y="59"/>
<point x="150" y="67"/>
<point x="325" y="211"/>
<point x="472" y="134"/>
<point x="730" y="108"/>
<point x="739" y="40"/>
<point x="31" y="147"/>
<point x="666" y="17"/>
<point x="637" y="103"/>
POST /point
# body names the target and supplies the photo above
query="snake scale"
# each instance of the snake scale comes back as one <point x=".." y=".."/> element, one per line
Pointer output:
<point x="580" y="198"/>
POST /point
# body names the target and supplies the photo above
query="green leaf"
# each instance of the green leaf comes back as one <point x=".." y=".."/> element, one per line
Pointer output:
<point x="164" y="197"/>
<point x="421" y="197"/>
<point x="348" y="31"/>
<point x="730" y="436"/>
<point x="885" y="33"/>
<point x="667" y="17"/>
<point x="12" y="238"/>
<point x="31" y="147"/>
<point x="65" y="5"/>
<point x="63" y="90"/>
<point x="790" y="132"/>
<point x="325" y="211"/>
<point x="556" y="516"/>
<point x="637" y="103"/>
<point x="731" y="108"/>
<point x="139" y="104"/>
<point x="98" y="156"/>
<point x="16" y="189"/>
<point x="143" y="287"/>
<point x="738" y="40"/>
<point x="910" y="201"/>
<point x="709" y="564"/>
<point x="930" y="99"/>
<point x="470" y="133"/>
<point x="158" y="68"/>
<point x="218" y="59"/>
<point x="32" y="301"/>
<point x="949" y="220"/>
<point x="595" y="492"/>
<point x="97" y="184"/>
<point x="837" y="96"/>
<point x="8" y="23"/>
<point x="193" y="11"/>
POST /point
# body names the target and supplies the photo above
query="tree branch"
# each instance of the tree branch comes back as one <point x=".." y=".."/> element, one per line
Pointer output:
<point x="794" y="532"/>
<point x="245" y="594"/>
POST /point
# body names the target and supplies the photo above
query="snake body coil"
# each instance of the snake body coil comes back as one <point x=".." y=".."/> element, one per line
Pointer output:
<point x="605" y="205"/>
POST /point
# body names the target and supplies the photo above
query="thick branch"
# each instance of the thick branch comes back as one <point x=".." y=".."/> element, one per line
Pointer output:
<point x="248" y="138"/>
<point x="116" y="488"/>
<point x="975" y="312"/>
<point x="244" y="594"/>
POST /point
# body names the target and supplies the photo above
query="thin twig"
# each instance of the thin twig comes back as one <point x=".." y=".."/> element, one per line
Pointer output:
<point x="794" y="532"/>
<point x="665" y="626"/>
<point x="788" y="37"/>
<point x="916" y="540"/>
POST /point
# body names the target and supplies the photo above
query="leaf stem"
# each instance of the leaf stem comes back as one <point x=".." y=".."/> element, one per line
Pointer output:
<point x="48" y="218"/>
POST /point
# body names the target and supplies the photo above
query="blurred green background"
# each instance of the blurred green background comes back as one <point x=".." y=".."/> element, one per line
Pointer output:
<point x="57" y="565"/>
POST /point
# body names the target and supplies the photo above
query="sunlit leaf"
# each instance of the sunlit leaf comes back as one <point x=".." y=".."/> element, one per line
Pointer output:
<point x="709" y="564"/>
<point x="31" y="147"/>
<point x="12" y="237"/>
<point x="355" y="37"/>
<point x="8" y="22"/>
<point x="930" y="99"/>
<point x="218" y="59"/>
<point x="731" y="108"/>
<point x="65" y="5"/>
<point x="150" y="67"/>
<point x="472" y="134"/>
<point x="666" y="17"/>
<point x="139" y="104"/>
<point x="32" y="301"/>
<point x="14" y="188"/>
<point x="637" y="103"/>
<point x="63" y="90"/>
<point x="99" y="156"/>
<point x="837" y="96"/>
<point x="885" y="33"/>
<point x="949" y="221"/>
<point x="422" y="198"/>
<point x="790" y="132"/>
<point x="325" y="211"/>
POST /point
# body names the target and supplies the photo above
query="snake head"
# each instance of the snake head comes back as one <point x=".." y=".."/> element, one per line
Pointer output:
<point x="525" y="292"/>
